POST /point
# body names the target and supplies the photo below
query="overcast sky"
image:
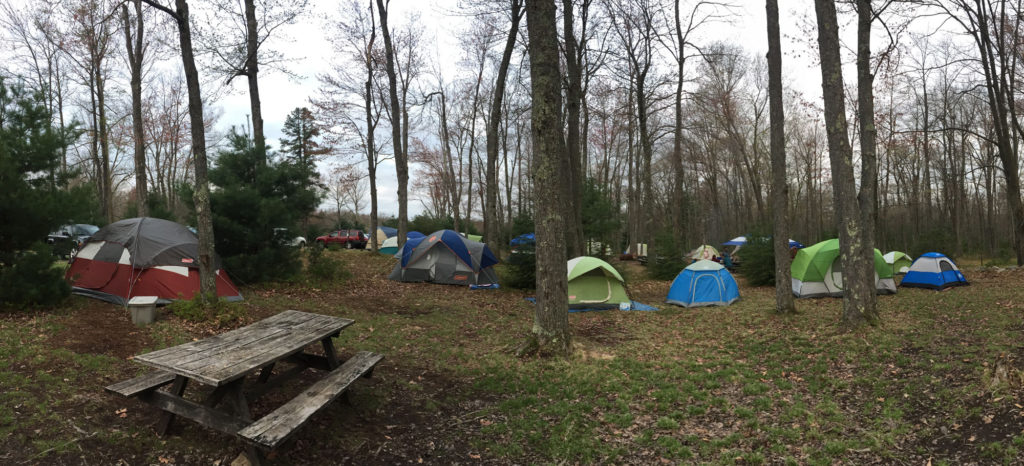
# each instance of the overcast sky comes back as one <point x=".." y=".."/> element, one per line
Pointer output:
<point x="310" y="53"/>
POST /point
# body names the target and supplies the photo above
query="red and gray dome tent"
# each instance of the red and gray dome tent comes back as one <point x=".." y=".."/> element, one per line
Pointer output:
<point x="142" y="257"/>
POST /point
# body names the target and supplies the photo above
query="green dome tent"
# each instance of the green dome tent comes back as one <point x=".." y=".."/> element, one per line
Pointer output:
<point x="594" y="284"/>
<point x="816" y="272"/>
<point x="898" y="261"/>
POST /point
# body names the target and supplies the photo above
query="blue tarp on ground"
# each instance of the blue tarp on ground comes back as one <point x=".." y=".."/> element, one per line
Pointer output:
<point x="633" y="306"/>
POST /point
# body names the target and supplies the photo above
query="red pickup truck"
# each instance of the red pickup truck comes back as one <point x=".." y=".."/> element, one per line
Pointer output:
<point x="349" y="239"/>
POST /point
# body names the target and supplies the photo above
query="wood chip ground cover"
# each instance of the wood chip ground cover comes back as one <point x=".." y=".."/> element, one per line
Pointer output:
<point x="939" y="381"/>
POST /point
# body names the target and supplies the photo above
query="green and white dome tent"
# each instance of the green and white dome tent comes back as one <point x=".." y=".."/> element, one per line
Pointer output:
<point x="816" y="272"/>
<point x="898" y="261"/>
<point x="595" y="284"/>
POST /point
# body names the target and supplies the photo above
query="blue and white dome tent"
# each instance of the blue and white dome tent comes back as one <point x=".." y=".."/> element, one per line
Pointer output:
<point x="934" y="271"/>
<point x="703" y="283"/>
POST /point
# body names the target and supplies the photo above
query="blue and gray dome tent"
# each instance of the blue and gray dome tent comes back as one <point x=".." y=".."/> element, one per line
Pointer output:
<point x="447" y="257"/>
<point x="935" y="271"/>
<point x="703" y="283"/>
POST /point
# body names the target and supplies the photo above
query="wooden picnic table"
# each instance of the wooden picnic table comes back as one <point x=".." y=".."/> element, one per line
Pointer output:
<point x="222" y="363"/>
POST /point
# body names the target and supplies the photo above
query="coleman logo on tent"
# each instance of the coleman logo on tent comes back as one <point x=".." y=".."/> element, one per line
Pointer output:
<point x="461" y="277"/>
<point x="186" y="260"/>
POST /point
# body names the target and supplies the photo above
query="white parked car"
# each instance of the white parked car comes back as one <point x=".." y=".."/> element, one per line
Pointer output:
<point x="286" y="238"/>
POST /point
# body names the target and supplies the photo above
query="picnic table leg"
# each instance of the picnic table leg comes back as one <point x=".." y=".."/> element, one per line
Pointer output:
<point x="330" y="353"/>
<point x="240" y="406"/>
<point x="216" y="396"/>
<point x="265" y="373"/>
<point x="177" y="389"/>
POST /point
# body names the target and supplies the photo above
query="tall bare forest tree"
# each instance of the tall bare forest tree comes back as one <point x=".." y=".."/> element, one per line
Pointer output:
<point x="550" y="333"/>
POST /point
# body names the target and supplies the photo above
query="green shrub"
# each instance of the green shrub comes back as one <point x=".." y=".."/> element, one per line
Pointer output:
<point x="255" y="194"/>
<point x="521" y="269"/>
<point x="190" y="310"/>
<point x="32" y="279"/>
<point x="214" y="310"/>
<point x="667" y="257"/>
<point x="34" y="198"/>
<point x="263" y="265"/>
<point x="600" y="216"/>
<point x="325" y="268"/>
<point x="758" y="261"/>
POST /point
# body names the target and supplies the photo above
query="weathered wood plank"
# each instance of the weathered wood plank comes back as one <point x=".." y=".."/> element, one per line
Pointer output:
<point x="274" y="428"/>
<point x="191" y="410"/>
<point x="220" y="359"/>
<point x="287" y="320"/>
<point x="252" y="358"/>
<point x="142" y="383"/>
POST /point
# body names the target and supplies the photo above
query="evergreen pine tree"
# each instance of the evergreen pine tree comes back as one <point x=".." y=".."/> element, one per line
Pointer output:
<point x="252" y="200"/>
<point x="33" y="199"/>
<point x="299" y="141"/>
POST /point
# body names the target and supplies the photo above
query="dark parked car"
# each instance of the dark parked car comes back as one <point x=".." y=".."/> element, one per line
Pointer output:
<point x="349" y="239"/>
<point x="67" y="239"/>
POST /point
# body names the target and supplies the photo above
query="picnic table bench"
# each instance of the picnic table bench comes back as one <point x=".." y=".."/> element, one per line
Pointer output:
<point x="222" y="362"/>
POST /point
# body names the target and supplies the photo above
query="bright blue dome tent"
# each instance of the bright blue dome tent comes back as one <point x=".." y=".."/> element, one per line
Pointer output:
<point x="703" y="283"/>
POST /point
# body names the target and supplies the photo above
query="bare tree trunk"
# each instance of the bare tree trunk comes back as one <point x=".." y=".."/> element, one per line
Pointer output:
<point x="401" y="160"/>
<point x="1000" y="79"/>
<point x="472" y="145"/>
<point x="94" y="140"/>
<point x="103" y="132"/>
<point x="868" y="196"/>
<point x="371" y="154"/>
<point x="551" y="320"/>
<point x="573" y="96"/>
<point x="858" y="290"/>
<point x="780" y="186"/>
<point x="252" y="74"/>
<point x="135" y="61"/>
<point x="201" y="197"/>
<point x="491" y="214"/>
<point x="677" y="134"/>
<point x="646" y="221"/>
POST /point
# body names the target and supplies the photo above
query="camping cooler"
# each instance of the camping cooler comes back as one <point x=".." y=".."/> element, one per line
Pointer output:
<point x="143" y="309"/>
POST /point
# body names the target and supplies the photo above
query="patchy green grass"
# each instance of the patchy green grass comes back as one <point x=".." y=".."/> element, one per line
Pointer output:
<point x="939" y="379"/>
